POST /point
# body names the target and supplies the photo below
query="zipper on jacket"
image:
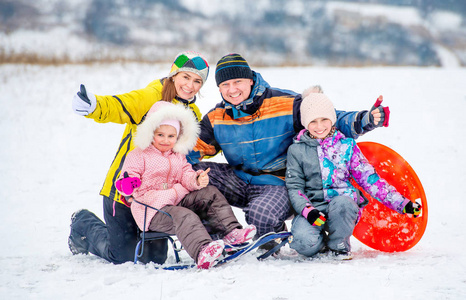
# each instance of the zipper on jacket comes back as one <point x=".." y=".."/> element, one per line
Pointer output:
<point x="169" y="170"/>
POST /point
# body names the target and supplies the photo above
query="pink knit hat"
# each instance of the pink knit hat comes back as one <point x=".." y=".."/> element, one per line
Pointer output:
<point x="172" y="122"/>
<point x="317" y="105"/>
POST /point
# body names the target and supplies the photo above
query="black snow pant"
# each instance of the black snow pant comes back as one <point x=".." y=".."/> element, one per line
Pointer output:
<point x="116" y="239"/>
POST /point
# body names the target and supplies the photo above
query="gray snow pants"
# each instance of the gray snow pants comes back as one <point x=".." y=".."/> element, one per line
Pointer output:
<point x="341" y="212"/>
<point x="206" y="204"/>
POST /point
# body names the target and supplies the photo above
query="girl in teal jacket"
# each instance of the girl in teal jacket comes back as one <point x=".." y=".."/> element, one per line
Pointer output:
<point x="320" y="164"/>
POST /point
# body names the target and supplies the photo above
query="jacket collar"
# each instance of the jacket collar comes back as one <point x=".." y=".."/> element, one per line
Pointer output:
<point x="152" y="148"/>
<point x="186" y="102"/>
<point x="251" y="105"/>
<point x="305" y="137"/>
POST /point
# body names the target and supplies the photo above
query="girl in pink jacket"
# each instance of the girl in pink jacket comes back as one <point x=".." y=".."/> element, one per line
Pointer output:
<point x="164" y="180"/>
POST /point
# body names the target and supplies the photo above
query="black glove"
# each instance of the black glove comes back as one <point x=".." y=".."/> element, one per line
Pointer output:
<point x="314" y="216"/>
<point x="413" y="208"/>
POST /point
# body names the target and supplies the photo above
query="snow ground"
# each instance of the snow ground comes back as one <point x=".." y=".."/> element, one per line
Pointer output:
<point x="53" y="162"/>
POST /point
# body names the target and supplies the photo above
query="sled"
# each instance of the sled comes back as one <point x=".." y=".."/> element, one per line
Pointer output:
<point x="283" y="237"/>
<point x="380" y="227"/>
<point x="233" y="253"/>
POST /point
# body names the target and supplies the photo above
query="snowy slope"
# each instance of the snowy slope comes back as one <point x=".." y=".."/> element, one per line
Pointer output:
<point x="53" y="162"/>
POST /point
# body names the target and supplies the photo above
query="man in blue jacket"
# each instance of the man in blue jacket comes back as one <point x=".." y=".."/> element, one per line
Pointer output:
<point x="253" y="126"/>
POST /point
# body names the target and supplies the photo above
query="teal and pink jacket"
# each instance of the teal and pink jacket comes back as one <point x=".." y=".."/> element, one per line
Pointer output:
<point x="321" y="169"/>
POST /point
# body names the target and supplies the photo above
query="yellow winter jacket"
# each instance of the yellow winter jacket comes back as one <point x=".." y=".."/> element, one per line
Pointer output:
<point x="129" y="109"/>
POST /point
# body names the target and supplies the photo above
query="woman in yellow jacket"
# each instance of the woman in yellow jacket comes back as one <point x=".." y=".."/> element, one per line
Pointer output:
<point x="115" y="240"/>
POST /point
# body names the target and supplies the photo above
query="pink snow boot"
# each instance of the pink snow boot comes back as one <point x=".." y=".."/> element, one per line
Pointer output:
<point x="239" y="236"/>
<point x="209" y="253"/>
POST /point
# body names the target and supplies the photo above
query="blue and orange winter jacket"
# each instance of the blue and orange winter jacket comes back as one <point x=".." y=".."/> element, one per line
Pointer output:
<point x="255" y="143"/>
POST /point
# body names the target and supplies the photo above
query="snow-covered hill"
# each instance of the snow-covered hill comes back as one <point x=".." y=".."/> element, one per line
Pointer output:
<point x="267" y="32"/>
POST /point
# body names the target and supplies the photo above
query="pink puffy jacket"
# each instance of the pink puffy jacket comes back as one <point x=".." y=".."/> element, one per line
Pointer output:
<point x="165" y="177"/>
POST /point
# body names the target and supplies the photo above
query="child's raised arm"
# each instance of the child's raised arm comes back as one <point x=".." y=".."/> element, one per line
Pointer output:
<point x="365" y="175"/>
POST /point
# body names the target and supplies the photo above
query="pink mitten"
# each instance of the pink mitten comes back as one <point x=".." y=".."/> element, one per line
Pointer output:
<point x="126" y="185"/>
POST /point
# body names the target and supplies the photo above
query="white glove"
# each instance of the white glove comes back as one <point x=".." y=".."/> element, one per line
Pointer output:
<point x="84" y="103"/>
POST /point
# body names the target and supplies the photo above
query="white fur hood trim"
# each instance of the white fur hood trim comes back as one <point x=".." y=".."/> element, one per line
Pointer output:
<point x="161" y="111"/>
